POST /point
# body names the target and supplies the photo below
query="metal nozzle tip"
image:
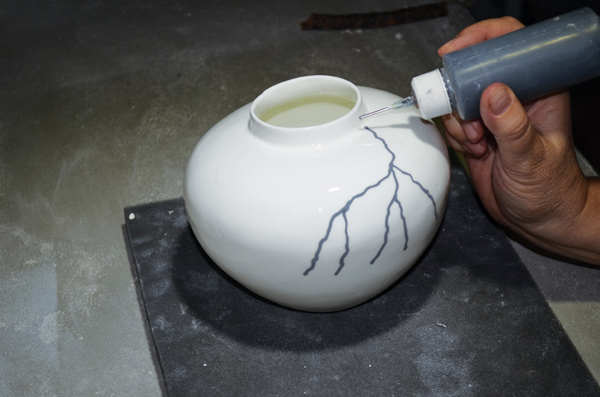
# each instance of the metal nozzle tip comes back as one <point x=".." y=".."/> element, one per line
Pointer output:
<point x="375" y="112"/>
<point x="401" y="104"/>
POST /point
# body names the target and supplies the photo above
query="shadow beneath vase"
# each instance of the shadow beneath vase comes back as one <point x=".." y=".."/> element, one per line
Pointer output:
<point x="237" y="313"/>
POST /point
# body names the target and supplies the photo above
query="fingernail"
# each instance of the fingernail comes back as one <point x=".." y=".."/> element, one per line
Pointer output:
<point x="474" y="149"/>
<point x="500" y="101"/>
<point x="478" y="150"/>
<point x="470" y="132"/>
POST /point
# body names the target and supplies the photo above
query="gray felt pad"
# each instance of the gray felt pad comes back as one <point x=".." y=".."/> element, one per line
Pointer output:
<point x="467" y="320"/>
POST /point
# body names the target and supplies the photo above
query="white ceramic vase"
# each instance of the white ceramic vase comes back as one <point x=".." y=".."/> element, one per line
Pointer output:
<point x="318" y="218"/>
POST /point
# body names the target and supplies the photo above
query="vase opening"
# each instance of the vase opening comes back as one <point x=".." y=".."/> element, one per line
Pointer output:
<point x="306" y="102"/>
<point x="308" y="111"/>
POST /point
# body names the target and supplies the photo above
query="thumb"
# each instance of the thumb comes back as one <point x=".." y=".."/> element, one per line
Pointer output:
<point x="504" y="116"/>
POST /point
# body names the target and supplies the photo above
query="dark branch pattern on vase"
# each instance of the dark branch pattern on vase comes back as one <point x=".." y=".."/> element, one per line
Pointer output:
<point x="392" y="168"/>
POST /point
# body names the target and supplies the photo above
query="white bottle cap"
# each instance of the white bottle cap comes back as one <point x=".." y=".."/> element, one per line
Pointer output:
<point x="430" y="94"/>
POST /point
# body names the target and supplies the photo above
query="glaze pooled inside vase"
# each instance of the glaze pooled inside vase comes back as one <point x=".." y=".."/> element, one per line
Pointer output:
<point x="308" y="111"/>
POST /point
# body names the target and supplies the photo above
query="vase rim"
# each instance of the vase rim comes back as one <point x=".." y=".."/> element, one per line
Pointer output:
<point x="302" y="87"/>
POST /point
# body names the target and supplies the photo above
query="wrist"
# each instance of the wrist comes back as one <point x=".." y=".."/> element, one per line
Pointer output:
<point x="588" y="223"/>
<point x="576" y="234"/>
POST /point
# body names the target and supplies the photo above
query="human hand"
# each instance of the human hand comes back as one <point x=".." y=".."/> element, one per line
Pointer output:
<point x="523" y="164"/>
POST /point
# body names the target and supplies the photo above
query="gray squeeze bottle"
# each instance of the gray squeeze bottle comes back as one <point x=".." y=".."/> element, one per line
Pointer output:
<point x="533" y="61"/>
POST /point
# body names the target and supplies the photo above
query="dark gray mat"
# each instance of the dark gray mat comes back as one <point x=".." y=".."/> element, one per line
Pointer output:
<point x="467" y="320"/>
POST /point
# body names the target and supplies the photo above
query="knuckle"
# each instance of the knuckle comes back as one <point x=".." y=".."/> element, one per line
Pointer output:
<point x="521" y="126"/>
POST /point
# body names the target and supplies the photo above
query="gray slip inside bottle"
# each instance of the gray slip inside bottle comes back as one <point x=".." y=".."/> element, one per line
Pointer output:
<point x="533" y="61"/>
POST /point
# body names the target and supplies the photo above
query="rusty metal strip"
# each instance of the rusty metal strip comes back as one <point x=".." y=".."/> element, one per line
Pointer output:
<point x="374" y="19"/>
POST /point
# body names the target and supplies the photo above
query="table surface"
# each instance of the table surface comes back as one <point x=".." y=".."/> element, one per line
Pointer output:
<point x="102" y="103"/>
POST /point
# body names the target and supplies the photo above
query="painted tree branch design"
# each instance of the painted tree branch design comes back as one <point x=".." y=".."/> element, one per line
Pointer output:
<point x="391" y="173"/>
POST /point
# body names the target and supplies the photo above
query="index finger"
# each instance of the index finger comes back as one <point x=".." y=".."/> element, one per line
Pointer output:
<point x="481" y="31"/>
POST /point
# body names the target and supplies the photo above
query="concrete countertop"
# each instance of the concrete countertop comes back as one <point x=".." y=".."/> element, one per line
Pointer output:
<point x="101" y="104"/>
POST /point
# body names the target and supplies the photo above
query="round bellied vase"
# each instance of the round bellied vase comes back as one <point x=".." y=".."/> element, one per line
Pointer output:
<point x="318" y="211"/>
